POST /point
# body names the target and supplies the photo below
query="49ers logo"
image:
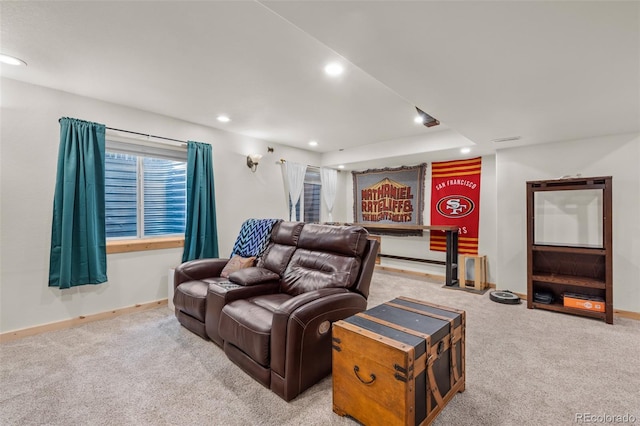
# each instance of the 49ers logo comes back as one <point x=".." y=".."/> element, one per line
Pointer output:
<point x="454" y="206"/>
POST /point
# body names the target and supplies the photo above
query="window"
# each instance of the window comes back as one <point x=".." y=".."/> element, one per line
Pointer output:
<point x="310" y="199"/>
<point x="145" y="191"/>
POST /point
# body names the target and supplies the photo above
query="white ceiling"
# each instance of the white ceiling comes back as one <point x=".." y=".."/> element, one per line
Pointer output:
<point x="544" y="71"/>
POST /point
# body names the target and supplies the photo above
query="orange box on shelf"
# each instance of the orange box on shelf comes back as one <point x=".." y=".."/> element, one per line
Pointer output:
<point x="583" y="302"/>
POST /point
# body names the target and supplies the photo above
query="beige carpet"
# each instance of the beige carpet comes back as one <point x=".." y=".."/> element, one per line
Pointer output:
<point x="524" y="367"/>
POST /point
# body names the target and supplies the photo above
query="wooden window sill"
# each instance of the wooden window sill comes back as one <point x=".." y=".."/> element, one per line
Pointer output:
<point x="143" y="244"/>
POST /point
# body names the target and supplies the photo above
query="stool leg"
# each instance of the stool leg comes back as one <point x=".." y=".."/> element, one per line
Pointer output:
<point x="485" y="284"/>
<point x="477" y="277"/>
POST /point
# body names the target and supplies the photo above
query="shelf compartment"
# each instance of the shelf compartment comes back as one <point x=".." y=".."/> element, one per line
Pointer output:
<point x="568" y="249"/>
<point x="556" y="307"/>
<point x="571" y="280"/>
<point x="587" y="267"/>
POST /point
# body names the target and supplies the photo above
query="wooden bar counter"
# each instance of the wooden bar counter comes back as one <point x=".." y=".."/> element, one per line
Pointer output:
<point x="451" y="262"/>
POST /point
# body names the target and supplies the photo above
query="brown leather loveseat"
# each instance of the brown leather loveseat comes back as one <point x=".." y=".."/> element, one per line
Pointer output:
<point x="274" y="320"/>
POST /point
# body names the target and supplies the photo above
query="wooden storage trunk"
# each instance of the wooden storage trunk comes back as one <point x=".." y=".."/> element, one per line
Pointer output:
<point x="398" y="363"/>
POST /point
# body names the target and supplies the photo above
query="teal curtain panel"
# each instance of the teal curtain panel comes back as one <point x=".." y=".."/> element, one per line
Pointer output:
<point x="201" y="235"/>
<point x="78" y="243"/>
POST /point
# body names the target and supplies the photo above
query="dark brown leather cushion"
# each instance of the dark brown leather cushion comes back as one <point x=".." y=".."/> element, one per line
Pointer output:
<point x="309" y="270"/>
<point x="276" y="258"/>
<point x="346" y="240"/>
<point x="253" y="276"/>
<point x="287" y="233"/>
<point x="191" y="298"/>
<point x="271" y="302"/>
<point x="248" y="327"/>
<point x="284" y="238"/>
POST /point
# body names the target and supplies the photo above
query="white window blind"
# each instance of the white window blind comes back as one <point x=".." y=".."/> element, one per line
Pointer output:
<point x="145" y="190"/>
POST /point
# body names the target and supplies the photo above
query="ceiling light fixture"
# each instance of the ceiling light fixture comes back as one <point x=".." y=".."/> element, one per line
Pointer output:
<point x="313" y="143"/>
<point x="341" y="166"/>
<point x="223" y="119"/>
<point x="427" y="120"/>
<point x="417" y="119"/>
<point x="334" y="69"/>
<point x="11" y="60"/>
<point x="465" y="150"/>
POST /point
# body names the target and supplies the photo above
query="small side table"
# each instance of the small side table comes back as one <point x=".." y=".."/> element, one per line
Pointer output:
<point x="479" y="271"/>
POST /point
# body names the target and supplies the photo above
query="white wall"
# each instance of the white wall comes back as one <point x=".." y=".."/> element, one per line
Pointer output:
<point x="341" y="206"/>
<point x="616" y="156"/>
<point x="28" y="156"/>
<point x="419" y="246"/>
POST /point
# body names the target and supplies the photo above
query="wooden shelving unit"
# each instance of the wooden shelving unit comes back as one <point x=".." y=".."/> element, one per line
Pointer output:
<point x="559" y="268"/>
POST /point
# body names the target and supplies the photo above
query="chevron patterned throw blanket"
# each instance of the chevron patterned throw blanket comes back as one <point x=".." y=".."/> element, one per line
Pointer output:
<point x="253" y="237"/>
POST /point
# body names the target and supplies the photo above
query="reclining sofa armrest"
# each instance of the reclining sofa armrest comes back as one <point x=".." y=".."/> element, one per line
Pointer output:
<point x="301" y="337"/>
<point x="198" y="269"/>
<point x="318" y="301"/>
<point x="253" y="275"/>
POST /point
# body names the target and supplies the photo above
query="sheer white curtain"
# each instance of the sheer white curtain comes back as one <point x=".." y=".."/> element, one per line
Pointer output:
<point x="329" y="181"/>
<point x="294" y="174"/>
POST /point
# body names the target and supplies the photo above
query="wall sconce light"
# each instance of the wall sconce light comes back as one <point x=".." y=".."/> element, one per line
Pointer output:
<point x="252" y="161"/>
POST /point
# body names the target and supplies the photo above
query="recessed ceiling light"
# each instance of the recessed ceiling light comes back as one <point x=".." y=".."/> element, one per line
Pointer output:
<point x="417" y="119"/>
<point x="313" y="143"/>
<point x="223" y="119"/>
<point x="465" y="150"/>
<point x="333" y="69"/>
<point x="341" y="166"/>
<point x="10" y="60"/>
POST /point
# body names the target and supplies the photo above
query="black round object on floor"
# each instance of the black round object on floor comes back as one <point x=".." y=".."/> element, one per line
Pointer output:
<point x="504" y="296"/>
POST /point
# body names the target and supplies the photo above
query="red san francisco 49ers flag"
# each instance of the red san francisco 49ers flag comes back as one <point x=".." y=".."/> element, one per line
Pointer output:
<point x="455" y="200"/>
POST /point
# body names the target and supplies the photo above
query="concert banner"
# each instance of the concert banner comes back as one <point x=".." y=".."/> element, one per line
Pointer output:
<point x="392" y="196"/>
<point x="455" y="200"/>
